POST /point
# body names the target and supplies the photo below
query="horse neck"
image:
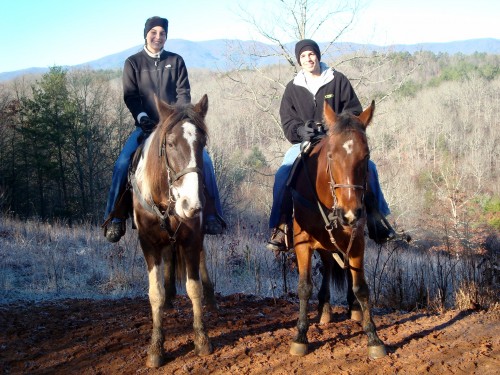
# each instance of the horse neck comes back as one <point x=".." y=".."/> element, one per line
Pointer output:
<point x="322" y="177"/>
<point x="155" y="171"/>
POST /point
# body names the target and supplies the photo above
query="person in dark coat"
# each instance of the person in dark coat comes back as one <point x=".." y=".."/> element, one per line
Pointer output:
<point x="154" y="71"/>
<point x="301" y="110"/>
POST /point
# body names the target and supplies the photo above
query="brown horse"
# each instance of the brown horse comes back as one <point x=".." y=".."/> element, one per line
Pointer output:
<point x="329" y="217"/>
<point x="168" y="203"/>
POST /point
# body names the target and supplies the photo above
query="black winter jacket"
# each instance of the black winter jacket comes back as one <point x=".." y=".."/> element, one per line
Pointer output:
<point x="144" y="76"/>
<point x="299" y="105"/>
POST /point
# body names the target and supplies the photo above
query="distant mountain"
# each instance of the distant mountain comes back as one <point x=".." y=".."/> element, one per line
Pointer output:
<point x="216" y="54"/>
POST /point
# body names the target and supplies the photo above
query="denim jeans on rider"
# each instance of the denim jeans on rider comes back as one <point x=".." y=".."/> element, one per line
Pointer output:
<point x="120" y="172"/>
<point x="282" y="175"/>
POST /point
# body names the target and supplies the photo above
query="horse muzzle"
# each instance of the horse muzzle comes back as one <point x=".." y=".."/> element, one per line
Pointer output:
<point x="350" y="217"/>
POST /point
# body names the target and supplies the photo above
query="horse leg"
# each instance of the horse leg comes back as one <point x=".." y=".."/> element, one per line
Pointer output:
<point x="300" y="342"/>
<point x="354" y="308"/>
<point x="324" y="309"/>
<point x="169" y="273"/>
<point x="194" y="289"/>
<point x="157" y="300"/>
<point x="376" y="348"/>
<point x="208" y="287"/>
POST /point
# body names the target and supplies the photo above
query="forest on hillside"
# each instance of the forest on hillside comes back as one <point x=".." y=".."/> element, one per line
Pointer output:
<point x="434" y="138"/>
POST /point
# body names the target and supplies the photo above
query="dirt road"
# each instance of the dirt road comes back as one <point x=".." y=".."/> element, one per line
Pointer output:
<point x="250" y="336"/>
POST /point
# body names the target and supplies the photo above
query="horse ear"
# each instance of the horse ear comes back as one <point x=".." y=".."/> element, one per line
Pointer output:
<point x="202" y="106"/>
<point x="367" y="115"/>
<point x="164" y="110"/>
<point x="329" y="115"/>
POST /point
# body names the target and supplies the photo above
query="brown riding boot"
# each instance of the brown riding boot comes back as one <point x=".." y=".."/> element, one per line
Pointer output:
<point x="278" y="240"/>
<point x="381" y="231"/>
<point x="213" y="223"/>
<point x="115" y="230"/>
<point x="115" y="225"/>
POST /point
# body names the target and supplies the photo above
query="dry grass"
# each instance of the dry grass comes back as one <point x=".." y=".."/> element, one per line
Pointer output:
<point x="45" y="261"/>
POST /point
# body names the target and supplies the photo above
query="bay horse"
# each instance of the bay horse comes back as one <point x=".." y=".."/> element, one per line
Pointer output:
<point x="330" y="216"/>
<point x="167" y="208"/>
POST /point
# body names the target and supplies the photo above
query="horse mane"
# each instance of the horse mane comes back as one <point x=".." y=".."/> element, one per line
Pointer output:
<point x="346" y="121"/>
<point x="156" y="166"/>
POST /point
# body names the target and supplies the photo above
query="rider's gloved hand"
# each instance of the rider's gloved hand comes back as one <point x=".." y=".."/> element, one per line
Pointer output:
<point x="306" y="132"/>
<point x="147" y="125"/>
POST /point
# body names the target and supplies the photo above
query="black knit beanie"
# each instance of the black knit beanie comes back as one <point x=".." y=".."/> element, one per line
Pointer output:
<point x="153" y="22"/>
<point x="307" y="45"/>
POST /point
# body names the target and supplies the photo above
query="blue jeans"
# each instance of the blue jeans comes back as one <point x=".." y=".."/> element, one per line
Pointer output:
<point x="120" y="172"/>
<point x="281" y="177"/>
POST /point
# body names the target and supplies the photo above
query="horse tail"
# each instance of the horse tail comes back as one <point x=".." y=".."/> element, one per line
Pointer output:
<point x="339" y="276"/>
<point x="180" y="265"/>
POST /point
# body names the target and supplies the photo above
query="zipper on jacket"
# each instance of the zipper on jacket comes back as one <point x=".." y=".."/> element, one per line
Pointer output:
<point x="158" y="75"/>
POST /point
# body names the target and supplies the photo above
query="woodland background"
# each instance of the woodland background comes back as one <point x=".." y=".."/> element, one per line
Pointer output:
<point x="434" y="139"/>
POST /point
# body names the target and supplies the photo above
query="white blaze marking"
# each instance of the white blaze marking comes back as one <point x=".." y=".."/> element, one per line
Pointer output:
<point x="189" y="187"/>
<point x="348" y="146"/>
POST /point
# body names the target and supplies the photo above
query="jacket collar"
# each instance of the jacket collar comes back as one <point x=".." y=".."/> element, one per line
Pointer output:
<point x="153" y="55"/>
<point x="325" y="77"/>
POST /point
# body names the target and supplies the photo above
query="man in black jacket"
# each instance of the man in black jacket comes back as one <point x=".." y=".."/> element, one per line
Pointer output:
<point x="153" y="71"/>
<point x="301" y="109"/>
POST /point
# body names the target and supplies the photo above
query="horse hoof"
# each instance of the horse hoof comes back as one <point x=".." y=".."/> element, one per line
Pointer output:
<point x="211" y="307"/>
<point x="298" y="349"/>
<point x="375" y="352"/>
<point x="325" y="318"/>
<point x="154" y="361"/>
<point x="203" y="350"/>
<point x="356" y="315"/>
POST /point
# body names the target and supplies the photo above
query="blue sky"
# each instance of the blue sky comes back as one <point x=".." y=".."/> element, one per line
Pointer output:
<point x="42" y="33"/>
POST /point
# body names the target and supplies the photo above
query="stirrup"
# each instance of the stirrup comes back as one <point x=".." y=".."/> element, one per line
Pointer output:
<point x="279" y="239"/>
<point x="114" y="230"/>
<point x="214" y="224"/>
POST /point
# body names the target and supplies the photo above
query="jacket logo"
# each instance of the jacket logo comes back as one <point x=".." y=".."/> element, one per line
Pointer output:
<point x="328" y="96"/>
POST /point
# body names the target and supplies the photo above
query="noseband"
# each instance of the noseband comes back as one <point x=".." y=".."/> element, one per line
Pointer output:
<point x="333" y="218"/>
<point x="172" y="176"/>
<point x="333" y="186"/>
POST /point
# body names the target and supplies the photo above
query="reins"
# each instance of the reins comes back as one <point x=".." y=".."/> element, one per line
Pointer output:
<point x="332" y="219"/>
<point x="172" y="176"/>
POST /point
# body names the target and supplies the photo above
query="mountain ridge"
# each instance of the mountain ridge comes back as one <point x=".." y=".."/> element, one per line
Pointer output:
<point x="213" y="54"/>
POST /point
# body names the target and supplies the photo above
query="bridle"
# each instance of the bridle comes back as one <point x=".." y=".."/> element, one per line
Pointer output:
<point x="172" y="177"/>
<point x="336" y="212"/>
<point x="333" y="218"/>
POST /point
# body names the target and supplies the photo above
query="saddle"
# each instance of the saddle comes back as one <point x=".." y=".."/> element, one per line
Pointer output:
<point x="379" y="229"/>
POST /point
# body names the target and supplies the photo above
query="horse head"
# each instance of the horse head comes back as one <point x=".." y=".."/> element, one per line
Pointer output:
<point x="173" y="164"/>
<point x="347" y="162"/>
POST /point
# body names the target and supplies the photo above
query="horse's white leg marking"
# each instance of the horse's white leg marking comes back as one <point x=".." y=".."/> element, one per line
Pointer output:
<point x="194" y="291"/>
<point x="157" y="293"/>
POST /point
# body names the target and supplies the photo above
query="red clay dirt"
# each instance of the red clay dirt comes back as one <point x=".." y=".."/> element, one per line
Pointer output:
<point x="250" y="335"/>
